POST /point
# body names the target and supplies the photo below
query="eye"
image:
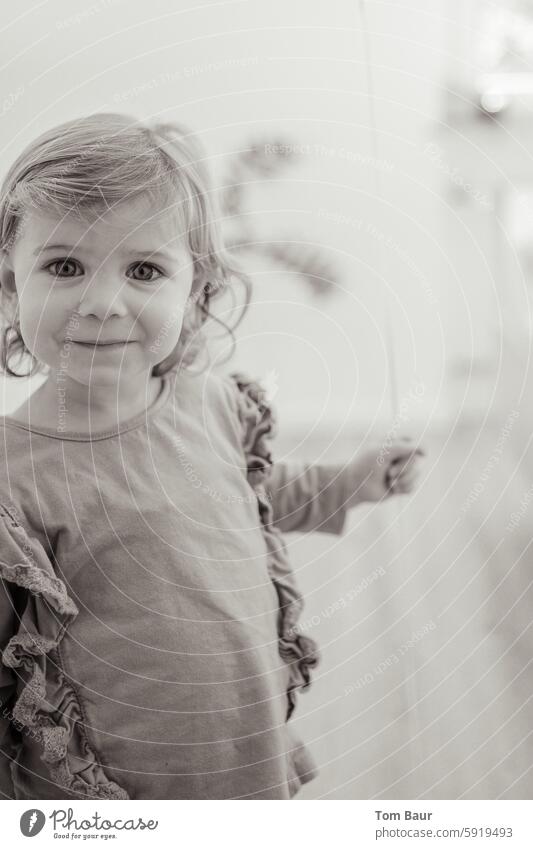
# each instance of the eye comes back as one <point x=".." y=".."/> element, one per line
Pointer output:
<point x="63" y="266"/>
<point x="148" y="269"/>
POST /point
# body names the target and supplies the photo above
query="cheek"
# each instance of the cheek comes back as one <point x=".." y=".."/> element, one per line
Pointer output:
<point x="165" y="317"/>
<point x="45" y="321"/>
<point x="162" y="331"/>
<point x="36" y="319"/>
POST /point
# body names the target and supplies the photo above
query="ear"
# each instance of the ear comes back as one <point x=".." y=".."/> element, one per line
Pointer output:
<point x="7" y="275"/>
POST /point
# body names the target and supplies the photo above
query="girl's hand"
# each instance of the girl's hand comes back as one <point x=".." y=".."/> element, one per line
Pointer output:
<point x="379" y="472"/>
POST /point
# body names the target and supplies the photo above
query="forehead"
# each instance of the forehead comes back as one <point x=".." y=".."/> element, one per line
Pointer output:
<point x="129" y="224"/>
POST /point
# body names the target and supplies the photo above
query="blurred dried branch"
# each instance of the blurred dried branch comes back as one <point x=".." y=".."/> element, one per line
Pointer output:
<point x="261" y="160"/>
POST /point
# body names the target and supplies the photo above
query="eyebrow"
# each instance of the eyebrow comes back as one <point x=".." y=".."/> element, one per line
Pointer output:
<point x="69" y="248"/>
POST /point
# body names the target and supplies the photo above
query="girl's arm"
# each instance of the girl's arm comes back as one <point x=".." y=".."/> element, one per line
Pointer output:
<point x="308" y="497"/>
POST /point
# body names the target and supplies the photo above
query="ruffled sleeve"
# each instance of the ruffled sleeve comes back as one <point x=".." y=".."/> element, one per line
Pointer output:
<point x="45" y="707"/>
<point x="258" y="425"/>
<point x="8" y="625"/>
<point x="309" y="497"/>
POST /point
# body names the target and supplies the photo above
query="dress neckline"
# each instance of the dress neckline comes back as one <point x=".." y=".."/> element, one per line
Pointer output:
<point x="92" y="434"/>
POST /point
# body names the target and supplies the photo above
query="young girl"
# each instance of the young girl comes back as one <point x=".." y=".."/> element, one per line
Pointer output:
<point x="148" y="613"/>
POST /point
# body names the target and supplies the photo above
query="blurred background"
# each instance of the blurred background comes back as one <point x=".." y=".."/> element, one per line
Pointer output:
<point x="375" y="175"/>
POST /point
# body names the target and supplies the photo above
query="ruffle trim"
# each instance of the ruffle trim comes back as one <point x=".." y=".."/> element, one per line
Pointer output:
<point x="34" y="652"/>
<point x="259" y="427"/>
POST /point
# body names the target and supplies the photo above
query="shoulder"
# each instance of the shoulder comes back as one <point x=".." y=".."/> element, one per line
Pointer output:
<point x="13" y="440"/>
<point x="20" y="445"/>
<point x="242" y="405"/>
<point x="19" y="415"/>
<point x="20" y="542"/>
<point x="248" y="398"/>
<point x="31" y="466"/>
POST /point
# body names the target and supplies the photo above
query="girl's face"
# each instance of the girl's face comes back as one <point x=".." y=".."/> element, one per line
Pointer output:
<point x="120" y="280"/>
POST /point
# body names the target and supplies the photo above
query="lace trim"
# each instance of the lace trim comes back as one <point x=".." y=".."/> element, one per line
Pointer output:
<point x="49" y="611"/>
<point x="259" y="425"/>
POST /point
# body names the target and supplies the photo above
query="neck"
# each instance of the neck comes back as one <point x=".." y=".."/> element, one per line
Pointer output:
<point x="108" y="404"/>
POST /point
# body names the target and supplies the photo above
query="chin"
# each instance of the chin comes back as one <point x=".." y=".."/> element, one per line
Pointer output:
<point x="102" y="376"/>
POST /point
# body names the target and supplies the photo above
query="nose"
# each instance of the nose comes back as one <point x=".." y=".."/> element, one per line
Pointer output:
<point x="103" y="297"/>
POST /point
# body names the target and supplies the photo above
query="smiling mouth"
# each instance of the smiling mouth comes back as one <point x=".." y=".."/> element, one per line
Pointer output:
<point x="97" y="345"/>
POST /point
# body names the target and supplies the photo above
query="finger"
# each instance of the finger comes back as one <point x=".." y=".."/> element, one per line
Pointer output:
<point x="401" y="487"/>
<point x="406" y="473"/>
<point x="412" y="465"/>
<point x="395" y="489"/>
<point x="402" y="467"/>
<point x="406" y="456"/>
<point x="407" y="482"/>
<point x="408" y="469"/>
<point x="411" y="471"/>
<point x="389" y="480"/>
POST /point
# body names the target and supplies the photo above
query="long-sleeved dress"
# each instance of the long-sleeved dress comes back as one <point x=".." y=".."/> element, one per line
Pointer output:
<point x="147" y="606"/>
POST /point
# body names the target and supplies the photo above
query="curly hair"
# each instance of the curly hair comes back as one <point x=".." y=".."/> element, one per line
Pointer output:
<point x="91" y="163"/>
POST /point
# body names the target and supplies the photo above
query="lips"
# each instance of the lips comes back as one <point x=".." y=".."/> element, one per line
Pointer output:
<point x="113" y="344"/>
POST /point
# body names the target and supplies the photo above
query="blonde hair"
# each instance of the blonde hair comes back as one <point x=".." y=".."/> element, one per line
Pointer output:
<point x="85" y="165"/>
